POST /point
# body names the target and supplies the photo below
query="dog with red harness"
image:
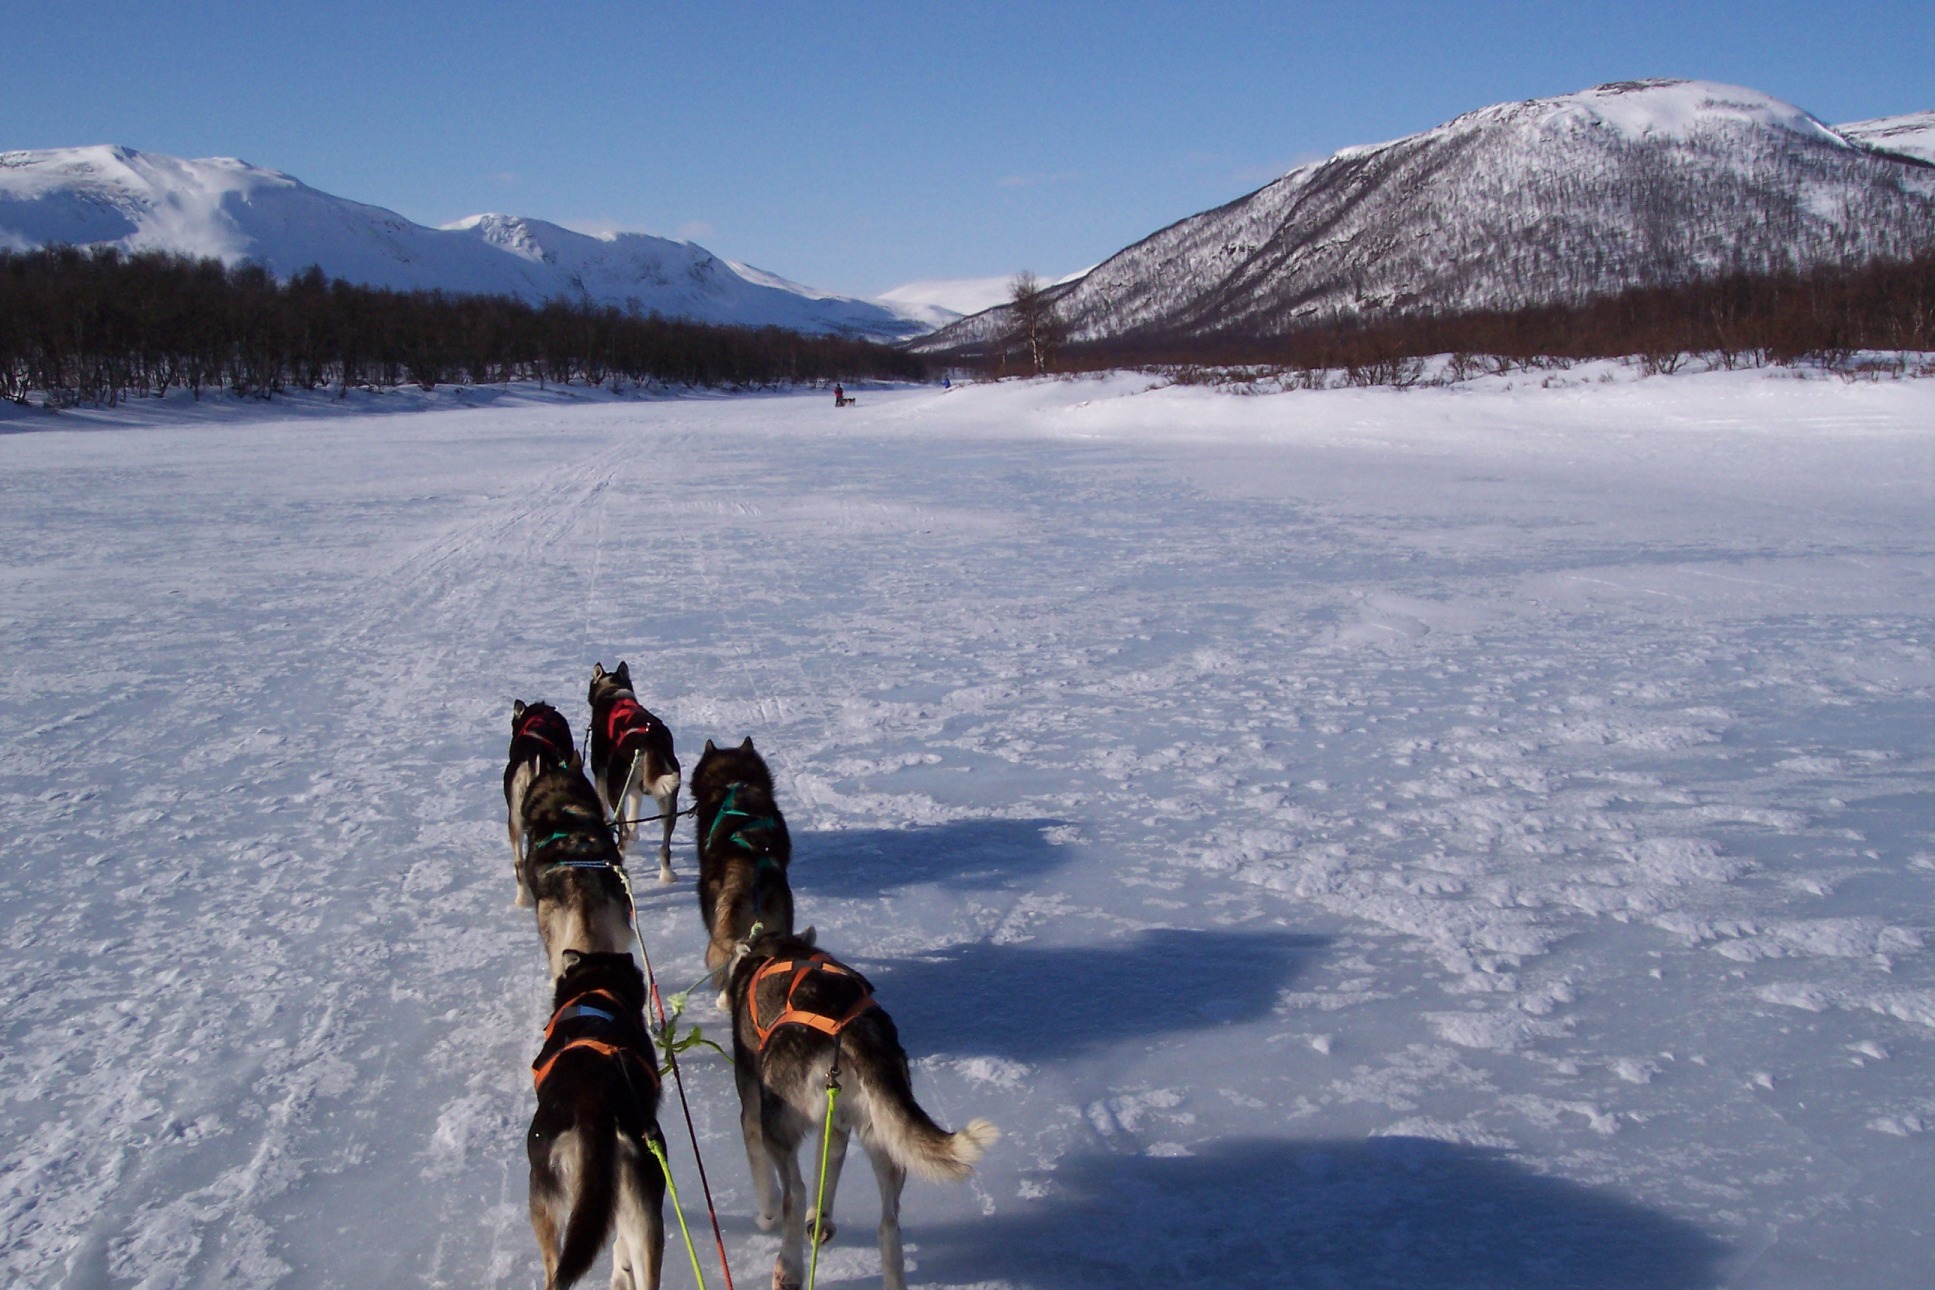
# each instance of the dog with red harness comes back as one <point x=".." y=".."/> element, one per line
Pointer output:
<point x="540" y="741"/>
<point x="593" y="1170"/>
<point x="632" y="758"/>
<point x="803" y="1022"/>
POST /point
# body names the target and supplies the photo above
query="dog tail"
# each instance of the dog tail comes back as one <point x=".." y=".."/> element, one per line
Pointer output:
<point x="910" y="1136"/>
<point x="588" y="1227"/>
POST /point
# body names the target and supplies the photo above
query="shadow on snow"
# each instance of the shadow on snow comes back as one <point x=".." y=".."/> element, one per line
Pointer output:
<point x="1031" y="1002"/>
<point x="1400" y="1212"/>
<point x="974" y="854"/>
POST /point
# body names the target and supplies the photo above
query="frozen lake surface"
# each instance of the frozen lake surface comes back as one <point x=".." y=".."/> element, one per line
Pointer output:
<point x="1446" y="838"/>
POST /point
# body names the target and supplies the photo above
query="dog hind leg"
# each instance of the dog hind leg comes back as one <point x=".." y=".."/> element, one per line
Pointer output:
<point x="893" y="1262"/>
<point x="836" y="1157"/>
<point x="638" y="1255"/>
<point x="758" y="1157"/>
<point x="668" y="809"/>
<point x="789" y="1269"/>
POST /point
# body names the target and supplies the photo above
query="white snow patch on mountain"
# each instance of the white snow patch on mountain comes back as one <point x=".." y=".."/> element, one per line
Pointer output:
<point x="1912" y="133"/>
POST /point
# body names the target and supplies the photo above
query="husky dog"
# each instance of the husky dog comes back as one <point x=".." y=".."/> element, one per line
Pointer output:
<point x="631" y="756"/>
<point x="597" y="1093"/>
<point x="743" y="852"/>
<point x="570" y="865"/>
<point x="796" y="1014"/>
<point x="540" y="741"/>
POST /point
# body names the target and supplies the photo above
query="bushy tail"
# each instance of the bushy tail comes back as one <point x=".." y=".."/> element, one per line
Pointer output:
<point x="915" y="1142"/>
<point x="589" y="1226"/>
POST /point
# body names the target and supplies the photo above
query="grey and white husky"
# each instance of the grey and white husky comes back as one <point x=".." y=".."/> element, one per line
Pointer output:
<point x="569" y="864"/>
<point x="744" y="851"/>
<point x="631" y="758"/>
<point x="540" y="741"/>
<point x="597" y="1115"/>
<point x="796" y="1012"/>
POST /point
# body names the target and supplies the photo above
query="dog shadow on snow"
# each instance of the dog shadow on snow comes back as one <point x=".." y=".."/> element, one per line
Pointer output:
<point x="1031" y="1002"/>
<point x="849" y="864"/>
<point x="1399" y="1212"/>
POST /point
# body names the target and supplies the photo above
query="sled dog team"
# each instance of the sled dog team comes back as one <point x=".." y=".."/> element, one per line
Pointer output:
<point x="797" y="1013"/>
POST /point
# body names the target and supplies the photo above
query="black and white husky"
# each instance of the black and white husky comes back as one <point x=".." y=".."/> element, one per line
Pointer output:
<point x="744" y="851"/>
<point x="597" y="1094"/>
<point x="796" y="1013"/>
<point x="540" y="741"/>
<point x="570" y="864"/>
<point x="631" y="757"/>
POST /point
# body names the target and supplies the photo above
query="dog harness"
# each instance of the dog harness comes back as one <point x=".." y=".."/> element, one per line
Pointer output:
<point x="754" y="823"/>
<point x="625" y="718"/>
<point x="818" y="961"/>
<point x="545" y="727"/>
<point x="604" y="1011"/>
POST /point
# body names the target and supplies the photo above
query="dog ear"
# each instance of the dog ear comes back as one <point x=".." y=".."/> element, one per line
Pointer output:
<point x="709" y="749"/>
<point x="745" y="745"/>
<point x="597" y="671"/>
<point x="810" y="936"/>
<point x="572" y="958"/>
<point x="517" y="709"/>
<point x="624" y="672"/>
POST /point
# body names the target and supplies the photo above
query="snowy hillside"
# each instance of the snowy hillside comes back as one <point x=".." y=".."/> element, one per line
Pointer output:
<point x="1476" y="838"/>
<point x="1913" y="133"/>
<point x="1550" y="200"/>
<point x="231" y="210"/>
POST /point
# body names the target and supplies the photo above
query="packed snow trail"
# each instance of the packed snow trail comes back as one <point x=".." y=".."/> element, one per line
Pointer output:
<point x="1469" y="838"/>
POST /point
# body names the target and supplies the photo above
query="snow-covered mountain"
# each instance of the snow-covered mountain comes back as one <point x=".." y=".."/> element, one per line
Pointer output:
<point x="1912" y="133"/>
<point x="1544" y="201"/>
<point x="230" y="210"/>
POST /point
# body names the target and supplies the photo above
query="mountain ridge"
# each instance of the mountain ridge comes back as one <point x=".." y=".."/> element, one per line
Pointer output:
<point x="1542" y="201"/>
<point x="231" y="210"/>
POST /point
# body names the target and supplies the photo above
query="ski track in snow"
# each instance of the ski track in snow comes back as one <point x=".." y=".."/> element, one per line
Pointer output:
<point x="1476" y="837"/>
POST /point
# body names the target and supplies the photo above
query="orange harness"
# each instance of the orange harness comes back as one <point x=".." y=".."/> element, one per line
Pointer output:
<point x="819" y="961"/>
<point x="571" y="1011"/>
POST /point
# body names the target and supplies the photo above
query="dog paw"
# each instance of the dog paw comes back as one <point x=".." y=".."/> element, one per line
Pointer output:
<point x="766" y="1220"/>
<point x="722" y="1003"/>
<point x="827" y="1228"/>
<point x="666" y="876"/>
<point x="782" y="1281"/>
<point x="522" y="900"/>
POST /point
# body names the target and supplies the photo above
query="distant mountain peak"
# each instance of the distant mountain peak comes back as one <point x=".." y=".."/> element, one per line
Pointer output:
<point x="231" y="210"/>
<point x="1541" y="201"/>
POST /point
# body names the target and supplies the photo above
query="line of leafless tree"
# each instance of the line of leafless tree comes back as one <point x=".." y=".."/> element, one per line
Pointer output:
<point x="1739" y="319"/>
<point x="99" y="326"/>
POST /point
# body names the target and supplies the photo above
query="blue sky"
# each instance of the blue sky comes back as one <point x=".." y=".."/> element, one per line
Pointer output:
<point x="858" y="146"/>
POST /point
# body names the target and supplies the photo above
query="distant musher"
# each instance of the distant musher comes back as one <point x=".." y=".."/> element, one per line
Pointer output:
<point x="840" y="399"/>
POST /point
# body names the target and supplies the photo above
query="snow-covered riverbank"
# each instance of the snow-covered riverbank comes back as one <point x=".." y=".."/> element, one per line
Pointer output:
<point x="1470" y="837"/>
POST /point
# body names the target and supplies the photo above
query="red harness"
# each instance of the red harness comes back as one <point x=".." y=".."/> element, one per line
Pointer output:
<point x="626" y="717"/>
<point x="530" y="730"/>
<point x="818" y="961"/>
<point x="573" y="1008"/>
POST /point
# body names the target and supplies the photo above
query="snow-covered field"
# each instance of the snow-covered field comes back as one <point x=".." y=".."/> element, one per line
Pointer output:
<point x="1476" y="838"/>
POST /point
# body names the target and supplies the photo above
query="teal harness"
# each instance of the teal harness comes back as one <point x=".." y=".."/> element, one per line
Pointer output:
<point x="754" y="825"/>
<point x="574" y="842"/>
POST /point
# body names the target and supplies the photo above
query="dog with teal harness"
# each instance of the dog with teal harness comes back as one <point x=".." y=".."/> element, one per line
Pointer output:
<point x="744" y="852"/>
<point x="570" y="865"/>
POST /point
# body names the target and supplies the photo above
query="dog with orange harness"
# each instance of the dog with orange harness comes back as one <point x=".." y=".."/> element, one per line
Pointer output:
<point x="803" y="1023"/>
<point x="595" y="1136"/>
<point x="631" y="758"/>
